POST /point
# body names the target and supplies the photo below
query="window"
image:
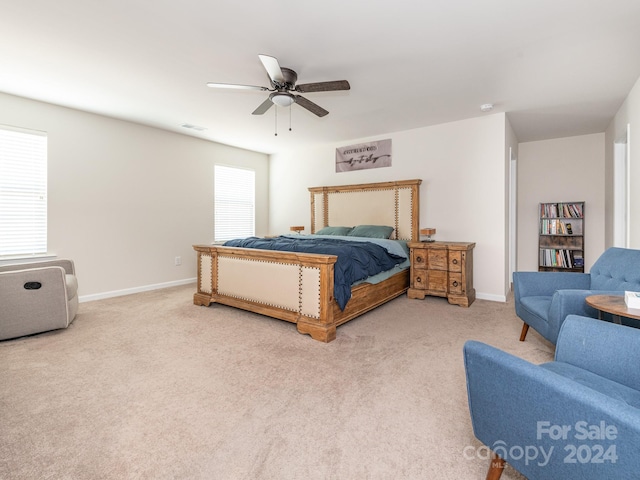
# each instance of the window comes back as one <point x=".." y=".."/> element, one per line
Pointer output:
<point x="23" y="192"/>
<point x="234" y="203"/>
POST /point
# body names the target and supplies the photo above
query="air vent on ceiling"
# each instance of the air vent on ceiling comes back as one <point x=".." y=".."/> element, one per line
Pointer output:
<point x="193" y="127"/>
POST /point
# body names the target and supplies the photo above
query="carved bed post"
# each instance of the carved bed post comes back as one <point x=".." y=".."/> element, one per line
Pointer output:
<point x="206" y="286"/>
<point x="322" y="329"/>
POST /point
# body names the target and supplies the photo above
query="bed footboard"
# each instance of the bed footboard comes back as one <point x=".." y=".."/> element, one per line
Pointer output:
<point x="296" y="287"/>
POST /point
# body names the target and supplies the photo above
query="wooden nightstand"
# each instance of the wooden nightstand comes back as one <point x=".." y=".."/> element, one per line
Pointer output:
<point x="442" y="269"/>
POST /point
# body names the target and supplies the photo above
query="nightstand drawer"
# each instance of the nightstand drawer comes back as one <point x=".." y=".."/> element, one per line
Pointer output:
<point x="455" y="261"/>
<point x="437" y="281"/>
<point x="418" y="258"/>
<point x="455" y="283"/>
<point x="419" y="279"/>
<point x="437" y="259"/>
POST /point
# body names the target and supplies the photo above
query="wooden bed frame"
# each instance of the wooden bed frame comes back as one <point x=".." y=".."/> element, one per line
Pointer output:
<point x="298" y="287"/>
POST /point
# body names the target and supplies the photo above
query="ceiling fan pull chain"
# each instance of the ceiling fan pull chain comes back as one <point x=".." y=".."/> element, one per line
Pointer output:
<point x="276" y="110"/>
<point x="290" y="117"/>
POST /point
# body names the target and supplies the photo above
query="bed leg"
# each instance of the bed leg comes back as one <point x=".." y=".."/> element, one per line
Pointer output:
<point x="201" y="299"/>
<point x="321" y="333"/>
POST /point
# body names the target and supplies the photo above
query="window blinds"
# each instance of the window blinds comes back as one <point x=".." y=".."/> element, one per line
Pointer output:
<point x="234" y="203"/>
<point x="23" y="192"/>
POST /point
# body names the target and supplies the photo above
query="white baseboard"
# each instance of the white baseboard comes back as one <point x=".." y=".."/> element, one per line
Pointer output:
<point x="129" y="291"/>
<point x="491" y="297"/>
<point x="187" y="281"/>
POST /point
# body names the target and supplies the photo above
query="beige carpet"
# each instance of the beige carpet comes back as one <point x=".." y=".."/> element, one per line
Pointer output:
<point x="150" y="386"/>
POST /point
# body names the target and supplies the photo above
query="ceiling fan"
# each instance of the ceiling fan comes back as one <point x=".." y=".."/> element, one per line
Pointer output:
<point x="283" y="82"/>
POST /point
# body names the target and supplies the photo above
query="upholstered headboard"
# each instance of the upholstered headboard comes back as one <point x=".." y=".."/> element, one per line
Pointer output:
<point x="396" y="204"/>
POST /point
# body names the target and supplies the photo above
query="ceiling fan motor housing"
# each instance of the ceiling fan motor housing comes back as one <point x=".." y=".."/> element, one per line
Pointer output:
<point x="281" y="96"/>
<point x="290" y="79"/>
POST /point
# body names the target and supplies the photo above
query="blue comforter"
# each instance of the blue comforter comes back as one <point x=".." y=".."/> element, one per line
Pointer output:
<point x="356" y="261"/>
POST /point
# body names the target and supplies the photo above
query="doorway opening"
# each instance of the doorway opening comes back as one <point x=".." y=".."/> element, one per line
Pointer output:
<point x="621" y="176"/>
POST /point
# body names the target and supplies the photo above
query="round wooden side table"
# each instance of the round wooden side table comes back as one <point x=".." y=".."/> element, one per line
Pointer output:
<point x="613" y="304"/>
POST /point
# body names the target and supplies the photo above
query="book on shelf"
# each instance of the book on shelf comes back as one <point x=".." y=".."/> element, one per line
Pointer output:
<point x="578" y="210"/>
<point x="632" y="299"/>
<point x="578" y="261"/>
<point x="569" y="258"/>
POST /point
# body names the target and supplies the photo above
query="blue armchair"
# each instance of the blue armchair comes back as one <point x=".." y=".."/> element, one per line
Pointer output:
<point x="544" y="299"/>
<point x="577" y="417"/>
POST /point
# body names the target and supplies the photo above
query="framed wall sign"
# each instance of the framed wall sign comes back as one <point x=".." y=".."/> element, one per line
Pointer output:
<point x="375" y="154"/>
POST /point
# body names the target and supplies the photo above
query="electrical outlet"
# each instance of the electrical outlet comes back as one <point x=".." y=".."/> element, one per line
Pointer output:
<point x="178" y="261"/>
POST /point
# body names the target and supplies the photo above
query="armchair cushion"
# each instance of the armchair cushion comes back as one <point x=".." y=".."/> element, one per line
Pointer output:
<point x="53" y="304"/>
<point x="595" y="382"/>
<point x="538" y="305"/>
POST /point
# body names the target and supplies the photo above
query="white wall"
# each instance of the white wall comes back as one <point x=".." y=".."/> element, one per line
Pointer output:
<point x="462" y="166"/>
<point x="561" y="170"/>
<point x="125" y="199"/>
<point x="629" y="113"/>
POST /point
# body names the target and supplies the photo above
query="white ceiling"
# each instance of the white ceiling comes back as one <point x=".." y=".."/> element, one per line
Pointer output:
<point x="558" y="67"/>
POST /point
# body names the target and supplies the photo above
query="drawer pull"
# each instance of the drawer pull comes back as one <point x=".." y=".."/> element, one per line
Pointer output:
<point x="419" y="259"/>
<point x="455" y="261"/>
<point x="455" y="283"/>
<point x="418" y="280"/>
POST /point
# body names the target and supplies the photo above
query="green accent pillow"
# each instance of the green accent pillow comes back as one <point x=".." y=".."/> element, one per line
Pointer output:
<point x="334" y="231"/>
<point x="371" y="231"/>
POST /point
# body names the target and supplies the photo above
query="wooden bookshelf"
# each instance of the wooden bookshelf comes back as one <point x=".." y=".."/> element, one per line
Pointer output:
<point x="561" y="237"/>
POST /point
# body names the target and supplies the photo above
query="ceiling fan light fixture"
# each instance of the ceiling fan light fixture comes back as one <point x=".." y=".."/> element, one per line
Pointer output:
<point x="282" y="99"/>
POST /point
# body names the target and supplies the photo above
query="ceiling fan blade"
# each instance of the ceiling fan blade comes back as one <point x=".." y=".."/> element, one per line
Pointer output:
<point x="272" y="67"/>
<point x="312" y="107"/>
<point x="264" y="106"/>
<point x="233" y="85"/>
<point x="323" y="86"/>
